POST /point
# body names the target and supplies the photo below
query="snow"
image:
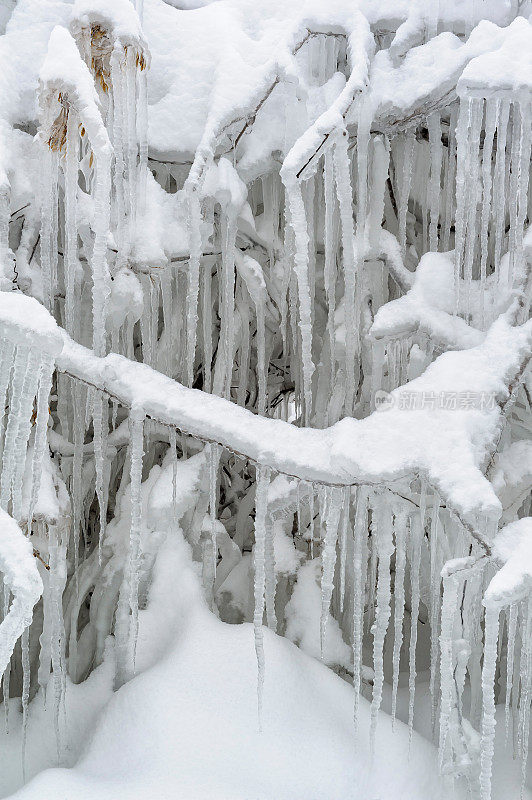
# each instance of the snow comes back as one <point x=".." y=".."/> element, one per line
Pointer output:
<point x="63" y="71"/>
<point x="23" y="318"/>
<point x="512" y="547"/>
<point x="191" y="726"/>
<point x="21" y="577"/>
<point x="507" y="68"/>
<point x="352" y="451"/>
<point x="428" y="307"/>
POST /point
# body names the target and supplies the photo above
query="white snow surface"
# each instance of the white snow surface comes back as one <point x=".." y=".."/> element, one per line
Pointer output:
<point x="513" y="547"/>
<point x="190" y="724"/>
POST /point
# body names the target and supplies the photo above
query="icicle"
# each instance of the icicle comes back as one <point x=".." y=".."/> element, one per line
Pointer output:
<point x="24" y="412"/>
<point x="122" y="197"/>
<point x="409" y="141"/>
<point x="71" y="233"/>
<point x="166" y="297"/>
<point x="379" y="175"/>
<point x="415" y="562"/>
<point x="173" y="450"/>
<point x="48" y="244"/>
<point x="6" y="598"/>
<point x="41" y="431"/>
<point x="261" y="355"/>
<point x="519" y="174"/>
<point x="19" y="406"/>
<point x="100" y="421"/>
<point x="346" y="504"/>
<point x="142" y="132"/>
<point x="525" y="677"/>
<point x="126" y="624"/>
<point x="243" y="365"/>
<point x="328" y="557"/>
<point x="77" y="465"/>
<point x="450" y="179"/>
<point x="25" y="648"/>
<point x="450" y="599"/>
<point x="351" y="275"/>
<point x="214" y="453"/>
<point x="382" y="614"/>
<point x="491" y="633"/>
<point x="193" y="283"/>
<point x="492" y="113"/>
<point x="499" y="178"/>
<point x="57" y="584"/>
<point x="436" y="155"/>
<point x="510" y="658"/>
<point x="270" y="580"/>
<point x="100" y="270"/>
<point x="399" y="601"/>
<point x="131" y="139"/>
<point x="434" y="603"/>
<point x="261" y="510"/>
<point x="462" y="159"/>
<point x="359" y="583"/>
<point x="329" y="268"/>
<point x="136" y="421"/>
<point x="298" y="222"/>
<point x="473" y="196"/>
<point x="207" y="326"/>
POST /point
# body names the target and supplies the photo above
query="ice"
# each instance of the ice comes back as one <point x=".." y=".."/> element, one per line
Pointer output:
<point x="71" y="236"/>
<point x="416" y="538"/>
<point x="261" y="506"/>
<point x="385" y="548"/>
<point x="510" y="660"/>
<point x="22" y="581"/>
<point x="100" y="422"/>
<point x="435" y="602"/>
<point x="332" y="511"/>
<point x="399" y="599"/>
<point x="436" y="155"/>
<point x="298" y="222"/>
<point x="491" y="633"/>
<point x="407" y="147"/>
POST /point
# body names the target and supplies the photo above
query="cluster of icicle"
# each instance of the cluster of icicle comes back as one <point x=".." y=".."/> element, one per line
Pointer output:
<point x="25" y="382"/>
<point x="494" y="139"/>
<point x="475" y="638"/>
<point x="367" y="531"/>
<point x="109" y="142"/>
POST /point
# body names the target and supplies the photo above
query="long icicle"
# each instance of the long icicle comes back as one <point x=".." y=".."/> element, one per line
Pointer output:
<point x="298" y="222"/>
<point x="415" y="544"/>
<point x="487" y="743"/>
<point x="345" y="203"/>
<point x="261" y="510"/>
<point x="385" y="549"/>
<point x="399" y="601"/>
<point x="328" y="557"/>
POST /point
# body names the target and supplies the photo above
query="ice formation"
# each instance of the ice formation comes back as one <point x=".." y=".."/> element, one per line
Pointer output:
<point x="272" y="288"/>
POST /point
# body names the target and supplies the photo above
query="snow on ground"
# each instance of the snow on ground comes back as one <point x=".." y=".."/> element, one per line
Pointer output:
<point x="186" y="727"/>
